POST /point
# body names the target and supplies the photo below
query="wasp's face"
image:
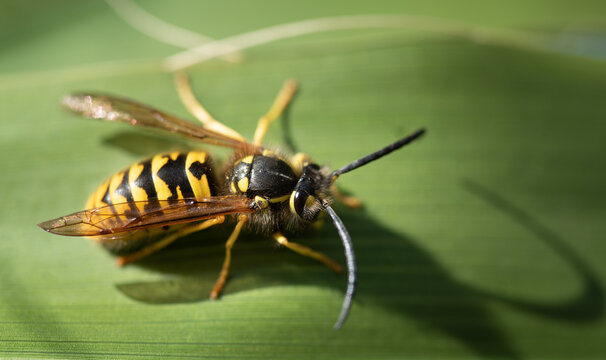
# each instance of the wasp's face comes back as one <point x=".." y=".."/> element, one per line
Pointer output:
<point x="304" y="200"/>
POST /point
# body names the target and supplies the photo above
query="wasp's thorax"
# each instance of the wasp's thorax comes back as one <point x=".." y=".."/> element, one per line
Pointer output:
<point x="285" y="200"/>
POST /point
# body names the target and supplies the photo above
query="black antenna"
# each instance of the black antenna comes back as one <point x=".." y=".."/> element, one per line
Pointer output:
<point x="377" y="154"/>
<point x="350" y="259"/>
<point x="350" y="256"/>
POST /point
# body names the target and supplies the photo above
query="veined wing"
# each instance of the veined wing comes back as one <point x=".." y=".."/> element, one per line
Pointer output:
<point x="122" y="217"/>
<point x="97" y="106"/>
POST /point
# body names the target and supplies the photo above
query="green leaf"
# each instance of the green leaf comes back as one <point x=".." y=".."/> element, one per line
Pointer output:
<point x="484" y="239"/>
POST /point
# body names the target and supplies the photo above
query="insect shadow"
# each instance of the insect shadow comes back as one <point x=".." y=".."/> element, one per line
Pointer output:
<point x="194" y="262"/>
<point x="587" y="305"/>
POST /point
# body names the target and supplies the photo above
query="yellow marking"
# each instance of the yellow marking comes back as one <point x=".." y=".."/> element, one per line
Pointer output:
<point x="138" y="193"/>
<point x="95" y="198"/>
<point x="247" y="160"/>
<point x="279" y="199"/>
<point x="197" y="156"/>
<point x="243" y="184"/>
<point x="204" y="185"/>
<point x="90" y="203"/>
<point x="174" y="155"/>
<point x="179" y="192"/>
<point x="162" y="188"/>
<point x="291" y="204"/>
<point x="309" y="202"/>
<point x="113" y="185"/>
<point x="267" y="152"/>
<point x="261" y="202"/>
<point x="199" y="187"/>
<point x="232" y="187"/>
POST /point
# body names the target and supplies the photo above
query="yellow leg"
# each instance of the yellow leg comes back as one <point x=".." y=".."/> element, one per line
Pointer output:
<point x="284" y="98"/>
<point x="242" y="219"/>
<point x="305" y="251"/>
<point x="349" y="201"/>
<point x="189" y="100"/>
<point x="152" y="248"/>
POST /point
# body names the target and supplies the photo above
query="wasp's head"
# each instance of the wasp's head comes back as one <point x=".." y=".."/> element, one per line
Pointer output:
<point x="312" y="186"/>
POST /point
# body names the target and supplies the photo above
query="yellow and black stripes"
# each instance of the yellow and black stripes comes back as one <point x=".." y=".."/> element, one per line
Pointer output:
<point x="173" y="176"/>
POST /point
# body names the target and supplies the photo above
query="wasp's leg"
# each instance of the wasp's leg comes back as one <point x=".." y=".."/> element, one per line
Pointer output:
<point x="305" y="251"/>
<point x="349" y="201"/>
<point x="220" y="283"/>
<point x="280" y="104"/>
<point x="189" y="100"/>
<point x="162" y="243"/>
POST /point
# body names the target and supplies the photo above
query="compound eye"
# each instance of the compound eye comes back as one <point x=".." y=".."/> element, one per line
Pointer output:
<point x="297" y="202"/>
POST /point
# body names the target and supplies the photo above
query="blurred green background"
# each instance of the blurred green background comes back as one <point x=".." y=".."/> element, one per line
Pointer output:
<point x="484" y="239"/>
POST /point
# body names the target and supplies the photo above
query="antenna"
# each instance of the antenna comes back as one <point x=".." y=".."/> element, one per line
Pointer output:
<point x="350" y="258"/>
<point x="377" y="154"/>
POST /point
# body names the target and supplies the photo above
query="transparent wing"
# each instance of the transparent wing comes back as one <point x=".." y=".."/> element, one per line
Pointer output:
<point x="96" y="106"/>
<point x="122" y="217"/>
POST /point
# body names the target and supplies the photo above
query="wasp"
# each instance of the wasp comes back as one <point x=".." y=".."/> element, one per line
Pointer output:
<point x="149" y="205"/>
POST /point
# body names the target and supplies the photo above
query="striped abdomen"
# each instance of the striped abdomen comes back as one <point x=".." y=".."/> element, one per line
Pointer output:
<point x="171" y="176"/>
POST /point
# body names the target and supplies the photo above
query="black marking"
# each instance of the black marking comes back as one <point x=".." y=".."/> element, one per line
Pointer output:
<point x="197" y="169"/>
<point x="146" y="182"/>
<point x="270" y="177"/>
<point x="124" y="190"/>
<point x="106" y="198"/>
<point x="174" y="175"/>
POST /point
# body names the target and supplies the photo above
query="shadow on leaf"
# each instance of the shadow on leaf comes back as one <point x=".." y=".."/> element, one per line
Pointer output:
<point x="414" y="285"/>
<point x="588" y="305"/>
